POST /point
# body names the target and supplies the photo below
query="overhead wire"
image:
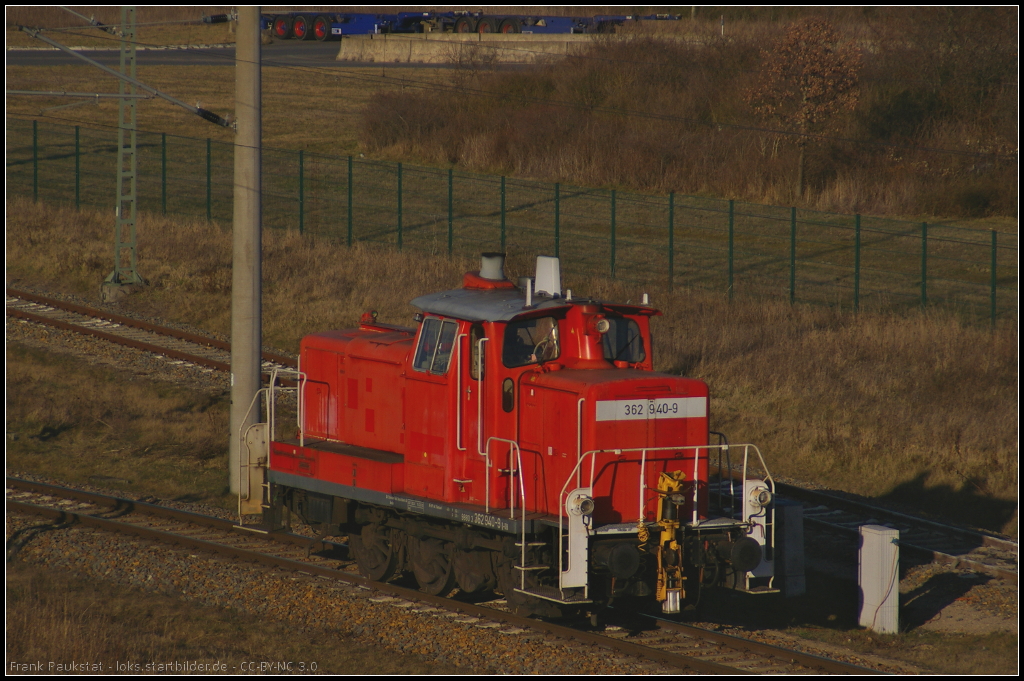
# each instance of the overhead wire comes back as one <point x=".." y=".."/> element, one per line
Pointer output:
<point x="626" y="113"/>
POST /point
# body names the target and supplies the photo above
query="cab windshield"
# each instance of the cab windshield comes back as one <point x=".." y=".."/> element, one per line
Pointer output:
<point x="623" y="341"/>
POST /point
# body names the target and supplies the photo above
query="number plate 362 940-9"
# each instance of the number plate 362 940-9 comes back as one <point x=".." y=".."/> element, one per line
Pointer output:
<point x="641" y="409"/>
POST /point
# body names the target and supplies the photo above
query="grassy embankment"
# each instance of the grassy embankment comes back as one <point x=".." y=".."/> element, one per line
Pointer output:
<point x="918" y="409"/>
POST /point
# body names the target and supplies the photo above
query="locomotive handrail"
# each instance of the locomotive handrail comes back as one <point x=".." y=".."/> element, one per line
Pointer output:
<point x="243" y="490"/>
<point x="271" y="404"/>
<point x="480" y="399"/>
<point x="514" y="473"/>
<point x="481" y="448"/>
<point x="458" y="399"/>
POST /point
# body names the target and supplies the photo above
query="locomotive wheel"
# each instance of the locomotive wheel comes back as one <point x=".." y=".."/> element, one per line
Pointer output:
<point x="432" y="565"/>
<point x="474" y="571"/>
<point x="301" y="28"/>
<point x="376" y="552"/>
<point x="322" y="28"/>
<point x="487" y="25"/>
<point x="282" y="28"/>
<point x="465" y="25"/>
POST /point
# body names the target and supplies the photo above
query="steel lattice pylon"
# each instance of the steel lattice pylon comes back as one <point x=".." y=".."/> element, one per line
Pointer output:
<point x="125" y="273"/>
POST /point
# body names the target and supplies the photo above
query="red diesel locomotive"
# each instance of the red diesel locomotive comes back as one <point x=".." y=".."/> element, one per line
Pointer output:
<point x="517" y="440"/>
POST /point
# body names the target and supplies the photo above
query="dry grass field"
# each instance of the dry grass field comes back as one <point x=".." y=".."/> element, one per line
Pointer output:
<point x="917" y="409"/>
<point x="296" y="100"/>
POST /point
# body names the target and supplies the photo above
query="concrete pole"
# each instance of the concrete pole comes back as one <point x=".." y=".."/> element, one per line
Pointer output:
<point x="246" y="298"/>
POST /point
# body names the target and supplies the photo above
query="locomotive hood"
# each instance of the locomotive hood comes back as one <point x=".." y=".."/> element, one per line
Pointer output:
<point x="619" y="408"/>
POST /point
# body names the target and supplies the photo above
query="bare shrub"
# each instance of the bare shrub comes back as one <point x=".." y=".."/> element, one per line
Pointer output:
<point x="662" y="109"/>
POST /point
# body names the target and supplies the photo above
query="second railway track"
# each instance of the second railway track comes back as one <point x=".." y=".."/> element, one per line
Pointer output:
<point x="174" y="343"/>
<point x="671" y="644"/>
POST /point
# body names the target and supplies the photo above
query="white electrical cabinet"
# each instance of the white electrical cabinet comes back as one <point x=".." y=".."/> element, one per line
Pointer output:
<point x="878" y="574"/>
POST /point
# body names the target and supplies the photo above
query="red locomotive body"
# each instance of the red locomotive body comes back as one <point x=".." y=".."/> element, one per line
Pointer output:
<point x="517" y="440"/>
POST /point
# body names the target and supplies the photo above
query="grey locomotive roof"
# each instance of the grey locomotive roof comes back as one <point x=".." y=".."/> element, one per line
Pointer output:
<point x="488" y="305"/>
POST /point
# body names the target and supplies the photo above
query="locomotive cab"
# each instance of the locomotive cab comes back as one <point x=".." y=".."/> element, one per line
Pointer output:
<point x="518" y="439"/>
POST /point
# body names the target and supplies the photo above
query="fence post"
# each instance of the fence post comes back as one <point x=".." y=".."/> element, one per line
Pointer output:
<point x="399" y="206"/>
<point x="78" y="168"/>
<point x="451" y="214"/>
<point x="924" y="264"/>
<point x="792" y="254"/>
<point x="558" y="218"/>
<point x="856" y="263"/>
<point x="348" y="240"/>
<point x="993" y="277"/>
<point x="732" y="223"/>
<point x="613" y="235"/>
<point x="302" y="191"/>
<point x="163" y="172"/>
<point x="209" y="179"/>
<point x="35" y="160"/>
<point x="671" y="238"/>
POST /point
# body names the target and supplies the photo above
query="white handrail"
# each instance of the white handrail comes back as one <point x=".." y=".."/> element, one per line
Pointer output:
<point x="271" y="407"/>
<point x="246" y="464"/>
<point x="480" y="423"/>
<point x="579" y="434"/>
<point x="643" y="451"/>
<point x="514" y="447"/>
<point x="458" y="398"/>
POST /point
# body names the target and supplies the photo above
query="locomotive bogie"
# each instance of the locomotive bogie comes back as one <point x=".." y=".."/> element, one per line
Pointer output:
<point x="515" y="440"/>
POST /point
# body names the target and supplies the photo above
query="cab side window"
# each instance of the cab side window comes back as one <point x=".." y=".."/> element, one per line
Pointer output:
<point x="476" y="361"/>
<point x="530" y="341"/>
<point x="434" y="351"/>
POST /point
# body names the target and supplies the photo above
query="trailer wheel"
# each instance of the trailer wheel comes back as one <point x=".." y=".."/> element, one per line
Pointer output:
<point x="465" y="25"/>
<point x="487" y="25"/>
<point x="322" y="28"/>
<point x="301" y="28"/>
<point x="510" y="25"/>
<point x="282" y="27"/>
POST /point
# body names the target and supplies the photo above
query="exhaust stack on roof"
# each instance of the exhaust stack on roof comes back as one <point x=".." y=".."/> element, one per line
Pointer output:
<point x="549" y="276"/>
<point x="492" y="266"/>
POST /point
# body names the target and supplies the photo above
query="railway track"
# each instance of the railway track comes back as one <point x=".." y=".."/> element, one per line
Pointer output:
<point x="929" y="540"/>
<point x="178" y="345"/>
<point x="671" y="644"/>
<point x="939" y="542"/>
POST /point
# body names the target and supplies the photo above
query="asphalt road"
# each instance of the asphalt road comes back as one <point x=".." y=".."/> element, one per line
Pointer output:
<point x="284" y="53"/>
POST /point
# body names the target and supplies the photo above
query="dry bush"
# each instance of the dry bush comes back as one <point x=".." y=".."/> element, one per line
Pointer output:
<point x="661" y="109"/>
<point x="919" y="408"/>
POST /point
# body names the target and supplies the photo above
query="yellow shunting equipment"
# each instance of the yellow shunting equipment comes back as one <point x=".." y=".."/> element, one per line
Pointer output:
<point x="670" y="588"/>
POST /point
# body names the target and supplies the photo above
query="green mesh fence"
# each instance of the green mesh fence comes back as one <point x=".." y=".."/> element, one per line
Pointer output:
<point x="679" y="241"/>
